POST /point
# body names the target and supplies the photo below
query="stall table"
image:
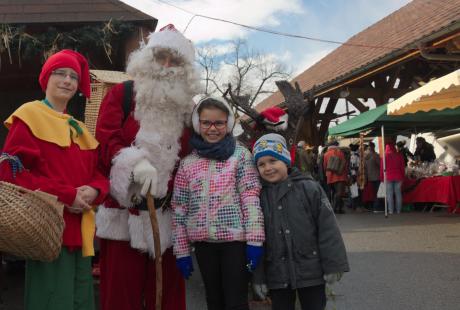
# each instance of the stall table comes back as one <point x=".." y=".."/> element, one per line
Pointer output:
<point x="441" y="189"/>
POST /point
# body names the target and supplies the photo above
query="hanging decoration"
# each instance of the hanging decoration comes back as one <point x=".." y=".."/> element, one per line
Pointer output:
<point x="18" y="40"/>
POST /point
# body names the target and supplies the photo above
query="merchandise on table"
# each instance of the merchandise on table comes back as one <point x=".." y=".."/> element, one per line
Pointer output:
<point x="417" y="170"/>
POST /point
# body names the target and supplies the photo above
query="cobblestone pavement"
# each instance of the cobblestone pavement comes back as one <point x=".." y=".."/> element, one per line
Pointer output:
<point x="409" y="261"/>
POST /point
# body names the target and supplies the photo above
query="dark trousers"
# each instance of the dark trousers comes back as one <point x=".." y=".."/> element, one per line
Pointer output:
<point x="311" y="298"/>
<point x="338" y="190"/>
<point x="376" y="185"/>
<point x="223" y="269"/>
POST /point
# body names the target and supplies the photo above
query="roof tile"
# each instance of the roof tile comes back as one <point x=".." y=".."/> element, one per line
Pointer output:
<point x="398" y="30"/>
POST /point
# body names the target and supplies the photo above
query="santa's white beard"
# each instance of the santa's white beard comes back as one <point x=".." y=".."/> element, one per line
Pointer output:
<point x="163" y="106"/>
<point x="166" y="89"/>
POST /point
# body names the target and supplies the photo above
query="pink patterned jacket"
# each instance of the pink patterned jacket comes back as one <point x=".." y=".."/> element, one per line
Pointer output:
<point x="216" y="201"/>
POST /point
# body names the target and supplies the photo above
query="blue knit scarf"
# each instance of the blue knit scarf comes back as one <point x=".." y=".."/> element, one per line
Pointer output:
<point x="221" y="150"/>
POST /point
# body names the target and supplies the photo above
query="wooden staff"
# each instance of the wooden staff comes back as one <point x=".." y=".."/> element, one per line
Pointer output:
<point x="157" y="248"/>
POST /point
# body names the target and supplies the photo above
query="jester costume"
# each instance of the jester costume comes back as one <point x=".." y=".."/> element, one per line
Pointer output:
<point x="58" y="155"/>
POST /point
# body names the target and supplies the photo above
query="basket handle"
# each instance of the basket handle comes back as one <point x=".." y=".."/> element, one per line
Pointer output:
<point x="16" y="166"/>
<point x="14" y="161"/>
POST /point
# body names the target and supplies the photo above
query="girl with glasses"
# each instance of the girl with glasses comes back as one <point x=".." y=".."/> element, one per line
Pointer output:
<point x="216" y="208"/>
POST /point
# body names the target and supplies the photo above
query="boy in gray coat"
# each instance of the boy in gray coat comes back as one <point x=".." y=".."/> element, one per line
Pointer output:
<point x="304" y="247"/>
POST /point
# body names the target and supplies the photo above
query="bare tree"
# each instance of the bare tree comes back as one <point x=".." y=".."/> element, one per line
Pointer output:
<point x="207" y="60"/>
<point x="250" y="73"/>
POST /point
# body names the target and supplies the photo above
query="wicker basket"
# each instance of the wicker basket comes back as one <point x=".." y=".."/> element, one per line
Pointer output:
<point x="31" y="223"/>
<point x="101" y="82"/>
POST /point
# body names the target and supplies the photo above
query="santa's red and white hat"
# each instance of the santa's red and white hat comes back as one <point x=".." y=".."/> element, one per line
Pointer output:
<point x="169" y="37"/>
<point x="276" y="117"/>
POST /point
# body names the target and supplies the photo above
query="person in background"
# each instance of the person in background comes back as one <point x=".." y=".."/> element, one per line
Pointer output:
<point x="424" y="151"/>
<point x="335" y="166"/>
<point x="401" y="148"/>
<point x="322" y="179"/>
<point x="305" y="159"/>
<point x="304" y="246"/>
<point x="354" y="171"/>
<point x="395" y="169"/>
<point x="216" y="208"/>
<point x="372" y="169"/>
<point x="51" y="151"/>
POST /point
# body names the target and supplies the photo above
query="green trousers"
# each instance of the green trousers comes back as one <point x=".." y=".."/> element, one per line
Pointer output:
<point x="65" y="283"/>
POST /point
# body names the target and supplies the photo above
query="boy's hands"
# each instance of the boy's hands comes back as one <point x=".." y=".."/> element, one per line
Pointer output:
<point x="88" y="193"/>
<point x="260" y="291"/>
<point x="253" y="256"/>
<point x="185" y="266"/>
<point x="83" y="199"/>
<point x="331" y="278"/>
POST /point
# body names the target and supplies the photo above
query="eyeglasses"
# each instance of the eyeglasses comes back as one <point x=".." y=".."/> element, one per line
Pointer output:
<point x="164" y="56"/>
<point x="219" y="124"/>
<point x="62" y="74"/>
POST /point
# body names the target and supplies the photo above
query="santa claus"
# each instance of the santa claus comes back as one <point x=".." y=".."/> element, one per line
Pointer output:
<point x="139" y="152"/>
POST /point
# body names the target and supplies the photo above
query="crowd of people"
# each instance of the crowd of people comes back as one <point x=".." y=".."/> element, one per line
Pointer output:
<point x="340" y="169"/>
<point x="236" y="210"/>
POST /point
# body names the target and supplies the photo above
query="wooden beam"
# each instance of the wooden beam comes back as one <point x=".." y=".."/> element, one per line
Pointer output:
<point x="323" y="117"/>
<point x="329" y="110"/>
<point x="358" y="104"/>
<point x="390" y="85"/>
<point x="318" y="104"/>
<point x="370" y="92"/>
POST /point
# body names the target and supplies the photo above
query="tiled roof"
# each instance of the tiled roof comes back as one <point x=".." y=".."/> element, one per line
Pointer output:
<point x="57" y="11"/>
<point x="399" y="30"/>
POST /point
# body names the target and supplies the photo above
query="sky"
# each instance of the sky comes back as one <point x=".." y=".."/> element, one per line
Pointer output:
<point x="336" y="20"/>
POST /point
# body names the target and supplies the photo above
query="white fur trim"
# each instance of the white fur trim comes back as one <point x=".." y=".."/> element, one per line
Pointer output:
<point x="281" y="127"/>
<point x="123" y="164"/>
<point x="140" y="230"/>
<point x="173" y="40"/>
<point x="284" y="125"/>
<point x="136" y="231"/>
<point x="112" y="223"/>
<point x="196" y="116"/>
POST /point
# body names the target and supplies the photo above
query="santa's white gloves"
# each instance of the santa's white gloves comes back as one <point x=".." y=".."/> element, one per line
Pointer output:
<point x="146" y="175"/>
<point x="331" y="278"/>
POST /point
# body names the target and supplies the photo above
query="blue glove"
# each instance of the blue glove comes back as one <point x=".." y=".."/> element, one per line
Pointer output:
<point x="185" y="266"/>
<point x="253" y="255"/>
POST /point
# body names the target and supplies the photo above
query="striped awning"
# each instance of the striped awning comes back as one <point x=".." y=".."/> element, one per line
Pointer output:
<point x="442" y="93"/>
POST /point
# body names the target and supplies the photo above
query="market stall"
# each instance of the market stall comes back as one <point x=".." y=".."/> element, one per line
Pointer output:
<point x="442" y="93"/>
<point x="376" y="122"/>
<point x="371" y="122"/>
<point x="440" y="189"/>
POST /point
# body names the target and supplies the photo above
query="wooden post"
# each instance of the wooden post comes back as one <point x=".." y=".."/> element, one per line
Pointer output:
<point x="157" y="249"/>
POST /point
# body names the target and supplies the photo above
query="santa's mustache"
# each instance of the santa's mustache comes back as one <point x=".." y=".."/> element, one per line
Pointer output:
<point x="169" y="73"/>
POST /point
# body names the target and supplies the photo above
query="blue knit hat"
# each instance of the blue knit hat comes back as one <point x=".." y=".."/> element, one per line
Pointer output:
<point x="274" y="145"/>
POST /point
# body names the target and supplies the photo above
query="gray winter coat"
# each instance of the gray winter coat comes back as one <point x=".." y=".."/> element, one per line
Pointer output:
<point x="303" y="241"/>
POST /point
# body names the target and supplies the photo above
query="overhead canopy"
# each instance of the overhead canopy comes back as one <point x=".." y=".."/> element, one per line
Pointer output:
<point x="372" y="120"/>
<point x="439" y="94"/>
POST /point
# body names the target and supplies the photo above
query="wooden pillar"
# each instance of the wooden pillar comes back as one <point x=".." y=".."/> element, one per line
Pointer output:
<point x="325" y="122"/>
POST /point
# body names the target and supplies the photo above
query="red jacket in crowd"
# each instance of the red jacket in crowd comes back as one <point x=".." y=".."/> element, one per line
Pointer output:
<point x="394" y="164"/>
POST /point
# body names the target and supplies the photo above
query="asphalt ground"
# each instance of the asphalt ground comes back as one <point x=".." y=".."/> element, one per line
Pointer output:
<point x="403" y="262"/>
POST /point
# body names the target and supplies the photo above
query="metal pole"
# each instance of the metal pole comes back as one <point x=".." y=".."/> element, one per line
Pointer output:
<point x="384" y="171"/>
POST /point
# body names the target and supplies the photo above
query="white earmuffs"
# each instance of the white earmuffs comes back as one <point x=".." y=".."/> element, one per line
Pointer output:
<point x="196" y="116"/>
